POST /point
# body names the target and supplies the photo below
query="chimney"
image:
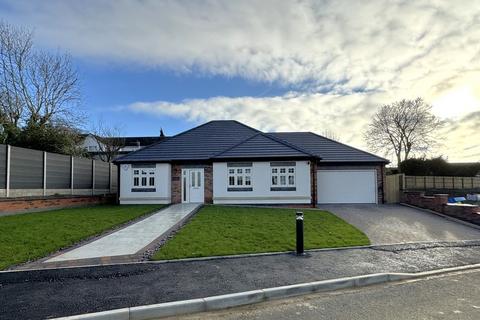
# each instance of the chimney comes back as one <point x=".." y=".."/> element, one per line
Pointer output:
<point x="161" y="133"/>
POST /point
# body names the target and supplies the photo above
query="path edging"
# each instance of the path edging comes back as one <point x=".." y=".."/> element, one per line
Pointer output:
<point x="220" y="302"/>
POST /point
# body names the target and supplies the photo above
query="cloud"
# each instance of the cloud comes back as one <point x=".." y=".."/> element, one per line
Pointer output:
<point x="358" y="54"/>
<point x="342" y="44"/>
<point x="347" y="116"/>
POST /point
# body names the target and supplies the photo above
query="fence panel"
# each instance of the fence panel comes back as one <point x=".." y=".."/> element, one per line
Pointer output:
<point x="58" y="171"/>
<point x="82" y="173"/>
<point x="476" y="182"/>
<point x="410" y="182"/>
<point x="441" y="183"/>
<point x="114" y="174"/>
<point x="3" y="166"/>
<point x="26" y="168"/>
<point x="102" y="177"/>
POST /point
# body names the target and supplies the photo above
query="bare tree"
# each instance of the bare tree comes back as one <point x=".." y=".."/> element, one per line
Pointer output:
<point x="402" y="128"/>
<point x="330" y="134"/>
<point x="36" y="87"/>
<point x="109" y="141"/>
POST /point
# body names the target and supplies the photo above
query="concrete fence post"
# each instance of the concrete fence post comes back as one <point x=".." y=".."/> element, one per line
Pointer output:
<point x="7" y="183"/>
<point x="44" y="173"/>
<point x="93" y="177"/>
<point x="71" y="175"/>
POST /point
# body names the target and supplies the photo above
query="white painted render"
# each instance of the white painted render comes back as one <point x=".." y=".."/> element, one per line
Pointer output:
<point x="261" y="184"/>
<point x="163" y="172"/>
<point x="347" y="186"/>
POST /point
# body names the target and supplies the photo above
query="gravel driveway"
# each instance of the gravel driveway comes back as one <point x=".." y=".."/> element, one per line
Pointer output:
<point x="387" y="224"/>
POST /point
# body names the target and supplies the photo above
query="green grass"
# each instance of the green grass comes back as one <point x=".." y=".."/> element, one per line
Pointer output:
<point x="30" y="236"/>
<point x="225" y="230"/>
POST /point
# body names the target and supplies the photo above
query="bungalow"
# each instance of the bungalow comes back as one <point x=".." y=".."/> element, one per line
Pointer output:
<point x="227" y="162"/>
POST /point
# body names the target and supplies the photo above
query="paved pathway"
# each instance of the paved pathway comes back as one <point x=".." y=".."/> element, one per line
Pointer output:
<point x="131" y="239"/>
<point x="53" y="293"/>
<point x="395" y="223"/>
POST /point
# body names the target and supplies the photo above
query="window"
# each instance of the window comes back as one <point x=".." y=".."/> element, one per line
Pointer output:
<point x="239" y="178"/>
<point x="283" y="177"/>
<point x="144" y="177"/>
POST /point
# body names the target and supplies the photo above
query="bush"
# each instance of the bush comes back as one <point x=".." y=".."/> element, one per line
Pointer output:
<point x="438" y="167"/>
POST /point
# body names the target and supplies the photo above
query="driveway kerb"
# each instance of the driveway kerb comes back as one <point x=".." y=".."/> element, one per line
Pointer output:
<point x="251" y="297"/>
<point x="468" y="224"/>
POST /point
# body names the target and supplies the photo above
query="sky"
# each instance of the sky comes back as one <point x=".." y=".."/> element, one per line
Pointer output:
<point x="321" y="66"/>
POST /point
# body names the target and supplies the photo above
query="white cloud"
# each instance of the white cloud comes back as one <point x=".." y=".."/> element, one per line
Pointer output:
<point x="345" y="115"/>
<point x="387" y="49"/>
<point x="379" y="45"/>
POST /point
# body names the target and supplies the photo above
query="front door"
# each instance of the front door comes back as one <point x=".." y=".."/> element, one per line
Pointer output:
<point x="192" y="185"/>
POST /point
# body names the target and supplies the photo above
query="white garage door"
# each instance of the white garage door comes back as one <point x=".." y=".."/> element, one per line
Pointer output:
<point x="347" y="186"/>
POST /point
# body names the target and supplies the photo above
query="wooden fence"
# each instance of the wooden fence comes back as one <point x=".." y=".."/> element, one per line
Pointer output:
<point x="398" y="183"/>
<point x="441" y="183"/>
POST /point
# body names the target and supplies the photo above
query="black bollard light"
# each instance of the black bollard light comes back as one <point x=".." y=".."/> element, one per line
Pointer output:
<point x="299" y="220"/>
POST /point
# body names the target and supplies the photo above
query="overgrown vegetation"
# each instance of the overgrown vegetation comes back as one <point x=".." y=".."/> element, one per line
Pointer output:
<point x="225" y="230"/>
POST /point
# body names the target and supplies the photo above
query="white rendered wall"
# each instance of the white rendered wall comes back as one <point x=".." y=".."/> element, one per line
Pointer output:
<point x="261" y="183"/>
<point x="162" y="186"/>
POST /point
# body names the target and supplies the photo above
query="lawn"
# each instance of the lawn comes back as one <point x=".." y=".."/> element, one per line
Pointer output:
<point x="30" y="236"/>
<point x="225" y="230"/>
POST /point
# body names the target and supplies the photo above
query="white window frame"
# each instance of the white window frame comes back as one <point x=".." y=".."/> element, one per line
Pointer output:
<point x="280" y="173"/>
<point x="239" y="176"/>
<point x="141" y="173"/>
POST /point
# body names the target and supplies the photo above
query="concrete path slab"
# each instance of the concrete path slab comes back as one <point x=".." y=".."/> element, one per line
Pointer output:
<point x="391" y="223"/>
<point x="133" y="238"/>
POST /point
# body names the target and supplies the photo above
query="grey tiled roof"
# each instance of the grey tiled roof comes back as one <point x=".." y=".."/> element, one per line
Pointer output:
<point x="199" y="143"/>
<point x="228" y="139"/>
<point x="327" y="149"/>
<point x="263" y="146"/>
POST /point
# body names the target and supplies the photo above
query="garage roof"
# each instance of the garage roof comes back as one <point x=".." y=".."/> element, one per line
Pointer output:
<point x="327" y="149"/>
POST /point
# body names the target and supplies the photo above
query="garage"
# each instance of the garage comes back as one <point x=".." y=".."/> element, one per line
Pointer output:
<point x="346" y="186"/>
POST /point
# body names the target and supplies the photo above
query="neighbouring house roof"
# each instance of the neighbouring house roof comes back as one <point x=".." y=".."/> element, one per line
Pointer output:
<point x="229" y="139"/>
<point x="142" y="141"/>
<point x="329" y="150"/>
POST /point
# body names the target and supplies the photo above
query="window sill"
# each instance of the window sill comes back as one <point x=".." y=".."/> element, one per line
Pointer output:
<point x="144" y="190"/>
<point x="283" y="189"/>
<point x="239" y="189"/>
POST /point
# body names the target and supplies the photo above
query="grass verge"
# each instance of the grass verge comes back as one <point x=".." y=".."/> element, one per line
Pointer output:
<point x="29" y="236"/>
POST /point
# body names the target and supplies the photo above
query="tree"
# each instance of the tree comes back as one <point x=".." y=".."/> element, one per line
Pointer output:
<point x="330" y="134"/>
<point x="39" y="93"/>
<point x="403" y="128"/>
<point x="109" y="141"/>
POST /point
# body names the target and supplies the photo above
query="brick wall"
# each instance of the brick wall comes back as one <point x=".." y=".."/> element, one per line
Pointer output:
<point x="8" y="206"/>
<point x="439" y="203"/>
<point x="177" y="181"/>
<point x="380" y="175"/>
